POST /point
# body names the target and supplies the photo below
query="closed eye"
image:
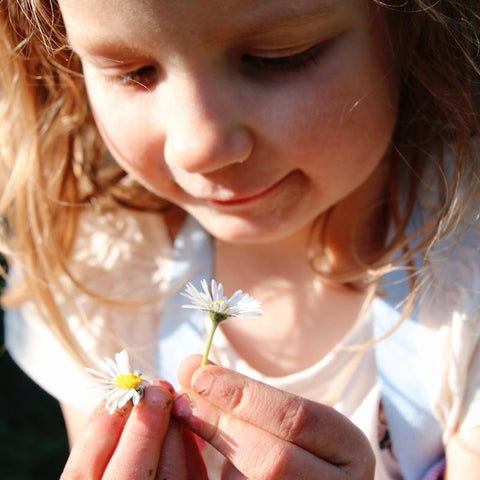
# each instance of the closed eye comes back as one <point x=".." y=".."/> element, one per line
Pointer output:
<point x="287" y="63"/>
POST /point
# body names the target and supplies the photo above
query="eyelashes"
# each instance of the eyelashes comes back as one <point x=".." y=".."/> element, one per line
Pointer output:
<point x="147" y="76"/>
<point x="144" y="77"/>
<point x="288" y="63"/>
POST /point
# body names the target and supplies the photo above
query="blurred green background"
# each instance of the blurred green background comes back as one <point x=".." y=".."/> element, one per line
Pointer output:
<point x="33" y="440"/>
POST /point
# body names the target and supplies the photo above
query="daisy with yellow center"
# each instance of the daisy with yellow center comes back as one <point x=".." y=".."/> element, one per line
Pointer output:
<point x="219" y="307"/>
<point x="119" y="382"/>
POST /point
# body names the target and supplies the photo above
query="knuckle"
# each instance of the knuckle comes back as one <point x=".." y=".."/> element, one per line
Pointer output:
<point x="233" y="396"/>
<point x="225" y="390"/>
<point x="293" y="419"/>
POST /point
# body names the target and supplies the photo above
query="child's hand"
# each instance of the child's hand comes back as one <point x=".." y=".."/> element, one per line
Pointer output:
<point x="143" y="442"/>
<point x="267" y="433"/>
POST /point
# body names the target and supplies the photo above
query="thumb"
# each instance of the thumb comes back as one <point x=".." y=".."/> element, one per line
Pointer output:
<point x="187" y="368"/>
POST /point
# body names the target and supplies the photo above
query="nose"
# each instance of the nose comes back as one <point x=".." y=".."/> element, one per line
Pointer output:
<point x="204" y="131"/>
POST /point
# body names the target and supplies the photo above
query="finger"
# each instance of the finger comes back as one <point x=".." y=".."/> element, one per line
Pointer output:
<point x="256" y="453"/>
<point x="138" y="450"/>
<point x="181" y="457"/>
<point x="96" y="443"/>
<point x="318" y="428"/>
<point x="195" y="464"/>
<point x="187" y="369"/>
<point x="172" y="464"/>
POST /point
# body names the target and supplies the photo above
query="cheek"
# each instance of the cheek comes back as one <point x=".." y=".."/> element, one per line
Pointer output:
<point x="346" y="112"/>
<point x="130" y="138"/>
<point x="349" y="121"/>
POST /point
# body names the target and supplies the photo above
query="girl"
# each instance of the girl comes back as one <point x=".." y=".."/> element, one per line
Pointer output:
<point x="320" y="155"/>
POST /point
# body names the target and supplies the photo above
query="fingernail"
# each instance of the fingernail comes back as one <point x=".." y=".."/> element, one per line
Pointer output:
<point x="202" y="382"/>
<point x="157" y="395"/>
<point x="164" y="384"/>
<point x="182" y="406"/>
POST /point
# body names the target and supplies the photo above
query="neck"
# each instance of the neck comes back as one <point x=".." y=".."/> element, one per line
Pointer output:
<point x="265" y="266"/>
<point x="304" y="316"/>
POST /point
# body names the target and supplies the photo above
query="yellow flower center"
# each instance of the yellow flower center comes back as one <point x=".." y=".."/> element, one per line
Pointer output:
<point x="218" y="302"/>
<point x="128" y="381"/>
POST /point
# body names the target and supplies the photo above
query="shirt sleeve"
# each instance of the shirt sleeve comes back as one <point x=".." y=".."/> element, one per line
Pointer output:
<point x="451" y="317"/>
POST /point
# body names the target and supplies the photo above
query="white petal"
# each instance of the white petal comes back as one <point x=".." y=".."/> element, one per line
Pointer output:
<point x="111" y="407"/>
<point x="128" y="394"/>
<point x="115" y="394"/>
<point x="232" y="301"/>
<point x="105" y="383"/>
<point x="198" y="299"/>
<point x="215" y="290"/>
<point x="191" y="292"/>
<point x="135" y="397"/>
<point x="98" y="375"/>
<point x="219" y="297"/>
<point x="111" y="367"/>
<point x="123" y="362"/>
<point x="112" y="400"/>
<point x="206" y="293"/>
<point x="246" y="306"/>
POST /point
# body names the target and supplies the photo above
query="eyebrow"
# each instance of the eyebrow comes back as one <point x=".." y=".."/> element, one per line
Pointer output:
<point x="263" y="21"/>
<point x="294" y="16"/>
<point x="291" y="17"/>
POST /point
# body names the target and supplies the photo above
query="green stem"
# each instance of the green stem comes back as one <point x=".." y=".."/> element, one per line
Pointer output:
<point x="209" y="342"/>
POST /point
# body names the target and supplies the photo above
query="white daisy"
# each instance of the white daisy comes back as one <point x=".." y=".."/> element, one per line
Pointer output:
<point x="217" y="305"/>
<point x="220" y="307"/>
<point x="119" y="382"/>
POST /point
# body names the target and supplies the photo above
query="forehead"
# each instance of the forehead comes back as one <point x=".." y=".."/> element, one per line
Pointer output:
<point x="86" y="19"/>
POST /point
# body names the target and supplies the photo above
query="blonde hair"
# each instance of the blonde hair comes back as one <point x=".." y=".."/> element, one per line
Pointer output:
<point x="437" y="133"/>
<point x="53" y="162"/>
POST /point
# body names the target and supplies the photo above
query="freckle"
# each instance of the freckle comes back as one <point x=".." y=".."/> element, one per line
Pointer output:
<point x="150" y="472"/>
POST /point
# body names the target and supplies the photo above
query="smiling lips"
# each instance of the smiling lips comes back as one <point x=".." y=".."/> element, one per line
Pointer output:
<point x="242" y="200"/>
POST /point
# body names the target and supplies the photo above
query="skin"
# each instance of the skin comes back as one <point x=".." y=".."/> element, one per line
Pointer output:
<point x="136" y="443"/>
<point x="193" y="106"/>
<point x="214" y="126"/>
<point x="226" y="408"/>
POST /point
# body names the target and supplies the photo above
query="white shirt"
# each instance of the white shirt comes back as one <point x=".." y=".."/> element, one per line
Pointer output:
<point x="127" y="255"/>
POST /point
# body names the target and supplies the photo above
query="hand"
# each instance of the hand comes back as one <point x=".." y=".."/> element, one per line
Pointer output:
<point x="141" y="442"/>
<point x="266" y="433"/>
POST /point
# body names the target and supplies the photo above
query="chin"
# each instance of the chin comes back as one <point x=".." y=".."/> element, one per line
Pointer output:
<point x="239" y="230"/>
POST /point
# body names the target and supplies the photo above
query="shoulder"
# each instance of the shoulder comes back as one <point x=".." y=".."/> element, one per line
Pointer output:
<point x="107" y="236"/>
<point x="450" y="318"/>
<point x="113" y="245"/>
<point x="451" y="275"/>
<point x="119" y="268"/>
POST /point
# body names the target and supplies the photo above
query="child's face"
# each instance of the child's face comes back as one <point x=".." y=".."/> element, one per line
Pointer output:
<point x="255" y="116"/>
